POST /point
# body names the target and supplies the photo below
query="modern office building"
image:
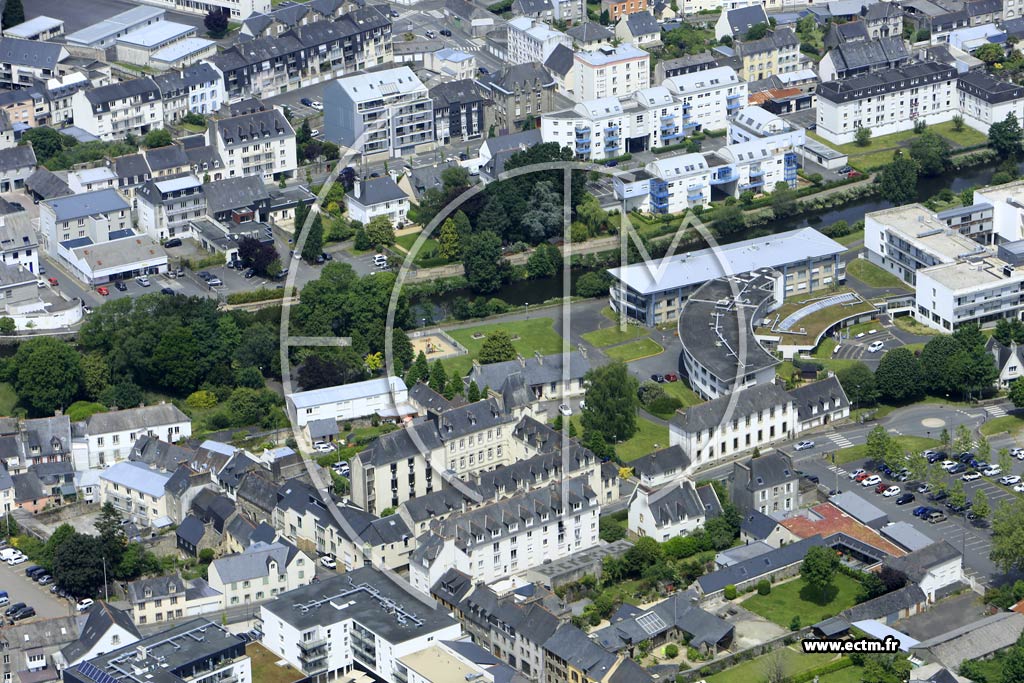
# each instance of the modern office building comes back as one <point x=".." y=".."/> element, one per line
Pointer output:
<point x="654" y="293"/>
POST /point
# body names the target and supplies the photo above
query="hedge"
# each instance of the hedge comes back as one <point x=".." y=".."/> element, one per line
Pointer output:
<point x="261" y="294"/>
<point x="831" y="667"/>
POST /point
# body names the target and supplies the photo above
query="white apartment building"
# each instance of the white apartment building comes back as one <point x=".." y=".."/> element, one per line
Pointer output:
<point x="985" y="100"/>
<point x="19" y="245"/>
<point x="666" y="185"/>
<point x="610" y="72"/>
<point x="650" y="117"/>
<point x="379" y="396"/>
<point x="386" y="112"/>
<point x="676" y="509"/>
<point x="258" y="143"/>
<point x="759" y="416"/>
<point x="111" y="112"/>
<point x="137" y="492"/>
<point x="89" y="216"/>
<point x="980" y="290"/>
<point x="887" y="101"/>
<point x="754" y="123"/>
<point x="507" y="537"/>
<point x="690" y="7"/>
<point x="238" y="9"/>
<point x="260" y="572"/>
<point x="377" y="197"/>
<point x="92" y="179"/>
<point x="530" y="40"/>
<point x="167" y="207"/>
<point x="1003" y="205"/>
<point x="109" y="436"/>
<point x="360" y="619"/>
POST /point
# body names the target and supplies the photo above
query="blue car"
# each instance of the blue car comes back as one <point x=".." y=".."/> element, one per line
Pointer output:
<point x="920" y="510"/>
<point x="958" y="469"/>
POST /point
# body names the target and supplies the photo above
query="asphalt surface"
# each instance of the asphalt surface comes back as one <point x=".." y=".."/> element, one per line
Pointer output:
<point x="20" y="588"/>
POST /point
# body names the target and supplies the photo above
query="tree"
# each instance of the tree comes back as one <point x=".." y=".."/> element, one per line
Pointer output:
<point x="756" y="32"/>
<point x="261" y="257"/>
<point x="862" y="137"/>
<point x="328" y="368"/>
<point x="419" y="370"/>
<point x="819" y="569"/>
<point x="898" y="377"/>
<point x="58" y="538"/>
<point x="14" y="14"/>
<point x="980" y="507"/>
<point x="46" y="142"/>
<point x="885" y="669"/>
<point x="931" y="152"/>
<point x="158" y="137"/>
<point x="216" y="23"/>
<point x="314" y="244"/>
<point x="879" y="444"/>
<point x="775" y="668"/>
<point x="936" y="360"/>
<point x="729" y="220"/>
<point x="958" y="123"/>
<point x="484" y="267"/>
<point x="454" y="180"/>
<point x="95" y="375"/>
<point x="858" y="382"/>
<point x="1017" y="394"/>
<point x="497" y="347"/>
<point x="473" y="392"/>
<point x="990" y="53"/>
<point x="438" y="377"/>
<point x="111" y="534"/>
<point x="122" y="394"/>
<point x="78" y="565"/>
<point x="1008" y="535"/>
<point x="1005" y="137"/>
<point x="380" y="232"/>
<point x="542" y="218"/>
<point x="545" y="261"/>
<point x="249" y="406"/>
<point x="448" y="240"/>
<point x="605" y="18"/>
<point x="957" y="495"/>
<point x="593" y="284"/>
<point x="47" y="374"/>
<point x="898" y="180"/>
<point x="612" y="402"/>
<point x="136" y="562"/>
<point x="783" y="200"/>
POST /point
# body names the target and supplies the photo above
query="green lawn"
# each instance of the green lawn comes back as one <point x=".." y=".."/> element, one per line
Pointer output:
<point x="908" y="324"/>
<point x="1007" y="423"/>
<point x="265" y="668"/>
<point x="649" y="437"/>
<point x="606" y="336"/>
<point x="847" y="240"/>
<point x="872" y="275"/>
<point x="679" y="390"/>
<point x="879" y="150"/>
<point x="754" y="670"/>
<point x="641" y="348"/>
<point x="428" y="255"/>
<point x="825" y="348"/>
<point x="8" y="399"/>
<point x="797" y="599"/>
<point x="537" y="334"/>
<point x="909" y="444"/>
<point x="851" y="674"/>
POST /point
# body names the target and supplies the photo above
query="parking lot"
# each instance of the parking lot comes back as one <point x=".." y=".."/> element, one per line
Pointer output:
<point x="858" y="346"/>
<point x="22" y="589"/>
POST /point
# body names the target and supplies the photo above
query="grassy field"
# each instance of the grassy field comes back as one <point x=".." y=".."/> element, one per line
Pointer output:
<point x="533" y="335"/>
<point x="606" y="336"/>
<point x="683" y="393"/>
<point x="641" y="348"/>
<point x="1006" y="423"/>
<point x="428" y="255"/>
<point x="872" y="275"/>
<point x="851" y="674"/>
<point x="847" y="240"/>
<point x="753" y="670"/>
<point x="879" y="150"/>
<point x="909" y="444"/>
<point x="908" y="324"/>
<point x="265" y="668"/>
<point x="649" y="437"/>
<point x="816" y="322"/>
<point x="797" y="599"/>
<point x="8" y="399"/>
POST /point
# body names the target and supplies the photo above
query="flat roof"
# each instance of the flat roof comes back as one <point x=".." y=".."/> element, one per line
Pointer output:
<point x="157" y="34"/>
<point x="981" y="273"/>
<point x="608" y="55"/>
<point x="347" y="392"/>
<point x="92" y="175"/>
<point x="921" y="228"/>
<point x="696" y="267"/>
<point x="103" y="30"/>
<point x="437" y="664"/>
<point x="87" y="204"/>
<point x="179" y="183"/>
<point x="33" y="27"/>
<point x="181" y="49"/>
<point x="122" y="252"/>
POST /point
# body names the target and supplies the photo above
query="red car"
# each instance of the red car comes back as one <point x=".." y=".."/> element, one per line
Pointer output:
<point x="53" y="282"/>
<point x="861" y="477"/>
<point x="671" y="377"/>
<point x="102" y="291"/>
<point x="881" y="487"/>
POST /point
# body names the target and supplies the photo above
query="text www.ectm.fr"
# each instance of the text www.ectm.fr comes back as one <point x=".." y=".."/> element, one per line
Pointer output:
<point x="887" y="645"/>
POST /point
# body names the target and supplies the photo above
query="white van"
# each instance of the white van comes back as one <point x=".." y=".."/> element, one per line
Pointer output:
<point x="9" y="553"/>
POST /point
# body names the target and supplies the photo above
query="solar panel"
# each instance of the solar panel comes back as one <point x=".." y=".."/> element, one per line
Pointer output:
<point x="651" y="623"/>
<point x="95" y="673"/>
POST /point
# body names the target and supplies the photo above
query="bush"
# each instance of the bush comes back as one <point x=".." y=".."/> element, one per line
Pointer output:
<point x="664" y="405"/>
<point x="795" y="624"/>
<point x="764" y="587"/>
<point x="254" y="295"/>
<point x="730" y="592"/>
<point x="206" y="555"/>
<point x="671" y="650"/>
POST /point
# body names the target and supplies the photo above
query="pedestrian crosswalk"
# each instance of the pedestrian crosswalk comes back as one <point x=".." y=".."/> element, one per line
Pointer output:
<point x="995" y="411"/>
<point x="839" y="470"/>
<point x="840" y="440"/>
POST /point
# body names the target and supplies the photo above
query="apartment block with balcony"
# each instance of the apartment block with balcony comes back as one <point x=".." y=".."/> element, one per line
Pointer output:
<point x="259" y="143"/>
<point x="386" y="113"/>
<point x="530" y="40"/>
<point x="980" y="291"/>
<point x="166" y="207"/>
<point x="361" y="620"/>
<point x="610" y="71"/>
<point x="23" y="62"/>
<point x="114" y="111"/>
<point x="887" y="101"/>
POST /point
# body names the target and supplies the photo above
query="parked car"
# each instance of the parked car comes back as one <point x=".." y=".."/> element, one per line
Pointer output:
<point x="660" y="379"/>
<point x="804" y="445"/>
<point x="306" y="101"/>
<point x="905" y="498"/>
<point x="958" y="468"/>
<point x="882" y="487"/>
<point x="4" y="598"/>
<point x="923" y="511"/>
<point x="892" y="491"/>
<point x="484" y="70"/>
<point x="205" y="274"/>
<point x="395" y="14"/>
<point x="1019" y="488"/>
<point x="565" y="410"/>
<point x="143" y="281"/>
<point x="671" y="377"/>
<point x="862" y="476"/>
<point x="935" y="456"/>
<point x="924" y="488"/>
<point x="856" y="473"/>
<point x="103" y="291"/>
<point x="167" y="290"/>
<point x="445" y="32"/>
<point x="120" y="286"/>
<point x="938" y="496"/>
<point x="947" y="464"/>
<point x="16" y="560"/>
<point x="14" y="608"/>
<point x="873" y="480"/>
<point x="45" y="580"/>
<point x="171" y="243"/>
<point x="971" y="476"/>
<point x="992" y="471"/>
<point x="249" y="272"/>
<point x="936" y="517"/>
<point x="214" y="282"/>
<point x="24" y="613"/>
<point x="32" y="570"/>
<point x="53" y="281"/>
<point x="322" y="447"/>
<point x="1009" y="479"/>
<point x="876" y="346"/>
<point x="328" y="562"/>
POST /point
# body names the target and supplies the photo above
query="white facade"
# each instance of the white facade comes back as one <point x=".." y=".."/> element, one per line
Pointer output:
<point x="888" y="102"/>
<point x="136" y="491"/>
<point x="238" y="9"/>
<point x="697" y="6"/>
<point x="348" y="401"/>
<point x="109" y="437"/>
<point x="530" y="40"/>
<point x="113" y="111"/>
<point x="261" y="572"/>
<point x="610" y="72"/>
<point x="981" y="291"/>
<point x="261" y="143"/>
<point x="648" y="517"/>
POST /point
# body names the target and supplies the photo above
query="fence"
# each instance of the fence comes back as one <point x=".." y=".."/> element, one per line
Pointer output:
<point x="742" y="656"/>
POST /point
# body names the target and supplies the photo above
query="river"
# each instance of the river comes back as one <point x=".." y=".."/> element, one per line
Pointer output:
<point x="524" y="292"/>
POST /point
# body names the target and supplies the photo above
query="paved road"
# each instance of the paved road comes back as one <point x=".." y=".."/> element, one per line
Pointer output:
<point x="23" y="589"/>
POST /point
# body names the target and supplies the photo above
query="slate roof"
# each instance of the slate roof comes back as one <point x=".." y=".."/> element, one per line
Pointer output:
<point x="123" y="90"/>
<point x="758" y="525"/>
<point x="973" y="641"/>
<point x="373" y="191"/>
<point x="257" y="489"/>
<point x="631" y="626"/>
<point x="159" y="587"/>
<point x="519" y="77"/>
<point x="674" y="503"/>
<point x="32" y="53"/>
<point x="399" y="444"/>
<point x="743" y="19"/>
<point x="422" y="395"/>
<point x="434" y="504"/>
<point x="666" y="460"/>
<point x="535" y="371"/>
<point x="460" y="92"/>
<point x="753" y="568"/>
<point x="642" y="24"/>
<point x="589" y="32"/>
<point x="916" y="565"/>
<point x="820" y="395"/>
<point x="234" y="193"/>
<point x="888" y="604"/>
<point x="101" y="618"/>
<point x="871" y="54"/>
<point x="164" y="158"/>
<point x="736" y="406"/>
<point x="529" y="8"/>
<point x="143" y="417"/>
<point x="561" y="59"/>
<point x="575" y="647"/>
<point x="891" y="80"/>
<point x="247" y="128"/>
<point x="254" y="561"/>
<point x="990" y="89"/>
<point x="46" y="184"/>
<point x="28" y="487"/>
<point x="161" y="454"/>
<point x="21" y="156"/>
<point x="876" y="11"/>
<point x="191" y="530"/>
<point x="774" y="40"/>
<point x="534" y="471"/>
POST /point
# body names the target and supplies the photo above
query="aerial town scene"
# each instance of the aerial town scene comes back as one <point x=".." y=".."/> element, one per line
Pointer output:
<point x="512" y="341"/>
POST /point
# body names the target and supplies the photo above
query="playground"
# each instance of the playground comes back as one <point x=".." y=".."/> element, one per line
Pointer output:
<point x="435" y="344"/>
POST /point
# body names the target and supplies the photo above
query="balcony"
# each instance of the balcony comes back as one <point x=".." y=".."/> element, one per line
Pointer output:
<point x="732" y="106"/>
<point x="669" y="117"/>
<point x="756" y="173"/>
<point x="695" y="196"/>
<point x="583" y="140"/>
<point x="752" y="184"/>
<point x="610" y="137"/>
<point x="734" y="96"/>
<point x="611" y="126"/>
<point x="690" y="124"/>
<point x="724" y="175"/>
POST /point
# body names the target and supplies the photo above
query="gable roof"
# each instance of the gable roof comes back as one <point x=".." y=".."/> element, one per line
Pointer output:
<point x="191" y="530"/>
<point x="32" y="53"/>
<point x="660" y="462"/>
<point x="534" y="370"/>
<point x="143" y="417"/>
<point x="47" y="184"/>
<point x="817" y="397"/>
<point x="675" y="502"/>
<point x="737" y="406"/>
<point x="878" y="53"/>
<point x="973" y="641"/>
<point x="642" y="24"/>
<point x="560" y="60"/>
<point x="755" y="567"/>
<point x="20" y="156"/>
<point x="234" y="193"/>
<point x="590" y="32"/>
<point x="254" y="561"/>
<point x="100" y="620"/>
<point x="917" y="564"/>
<point x="373" y="191"/>
<point x="758" y="525"/>
<point x="743" y="19"/>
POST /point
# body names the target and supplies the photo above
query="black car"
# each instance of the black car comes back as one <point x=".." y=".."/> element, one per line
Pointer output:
<point x="16" y="607"/>
<point x="249" y="272"/>
<point x="446" y="32"/>
<point x="306" y="101"/>
<point x="23" y="613"/>
<point x="936" y="457"/>
<point x="171" y="243"/>
<point x="660" y="379"/>
<point x="959" y="468"/>
<point x="938" y="495"/>
<point x="484" y="70"/>
<point x="205" y="274"/>
<point x="168" y="291"/>
<point x="905" y="498"/>
<point x="120" y="286"/>
<point x="30" y="572"/>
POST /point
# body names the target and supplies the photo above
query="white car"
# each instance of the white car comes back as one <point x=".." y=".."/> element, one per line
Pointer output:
<point x="804" y="445"/>
<point x="971" y="476"/>
<point x="1019" y="488"/>
<point x="873" y="480"/>
<point x="143" y="281"/>
<point x="328" y="562"/>
<point x="875" y="347"/>
<point x="583" y="405"/>
<point x="83" y="604"/>
<point x="892" y="491"/>
<point x="856" y="473"/>
<point x="948" y="464"/>
<point x="1009" y="479"/>
<point x="992" y="471"/>
<point x="564" y="409"/>
<point x="17" y="559"/>
<point x="316" y="104"/>
<point x="1018" y="453"/>
<point x="322" y="447"/>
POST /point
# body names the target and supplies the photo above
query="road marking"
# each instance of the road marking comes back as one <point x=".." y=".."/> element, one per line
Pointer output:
<point x="840" y="440"/>
<point x="995" y="411"/>
<point x="839" y="470"/>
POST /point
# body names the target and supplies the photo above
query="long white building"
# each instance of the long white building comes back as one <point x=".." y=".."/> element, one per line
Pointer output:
<point x="530" y="40"/>
<point x="348" y="401"/>
<point x="887" y="101"/>
<point x="985" y="100"/>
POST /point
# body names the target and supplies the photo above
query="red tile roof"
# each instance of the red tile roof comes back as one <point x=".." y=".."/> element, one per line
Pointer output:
<point x="827" y="519"/>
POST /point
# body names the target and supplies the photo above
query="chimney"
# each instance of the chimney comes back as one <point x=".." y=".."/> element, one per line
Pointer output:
<point x="357" y="188"/>
<point x="522" y="361"/>
<point x="540" y="358"/>
<point x="141" y="652"/>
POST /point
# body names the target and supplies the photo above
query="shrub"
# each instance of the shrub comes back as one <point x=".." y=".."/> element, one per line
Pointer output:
<point x="795" y="624"/>
<point x="764" y="587"/>
<point x="206" y="555"/>
<point x="671" y="650"/>
<point x="201" y="399"/>
<point x="730" y="592"/>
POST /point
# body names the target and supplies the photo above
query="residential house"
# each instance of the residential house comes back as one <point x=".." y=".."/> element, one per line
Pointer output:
<point x="661" y="467"/>
<point x="735" y="23"/>
<point x="670" y="620"/>
<point x="883" y="19"/>
<point x="617" y="9"/>
<point x="461" y="111"/>
<point x="569" y="12"/>
<point x="137" y="492"/>
<point x="768" y="484"/>
<point x="31" y="650"/>
<point x="675" y="509"/>
<point x="260" y="143"/>
<point x="985" y="99"/>
<point x="16" y="165"/>
<point x="546" y="377"/>
<point x="860" y="57"/>
<point x="24" y="443"/>
<point x="519" y="92"/>
<point x="166" y="207"/>
<point x="937" y="569"/>
<point x="375" y="197"/>
<point x="640" y="29"/>
<point x="23" y="62"/>
<point x="570" y="655"/>
<point x="197" y="89"/>
<point x="777" y="53"/>
<point x="19" y="245"/>
<point x="591" y="35"/>
<point x="260" y="572"/>
<point x="820" y="403"/>
<point x="157" y="599"/>
<point x="106" y="629"/>
<point x="1009" y="361"/>
<point x="111" y="112"/>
